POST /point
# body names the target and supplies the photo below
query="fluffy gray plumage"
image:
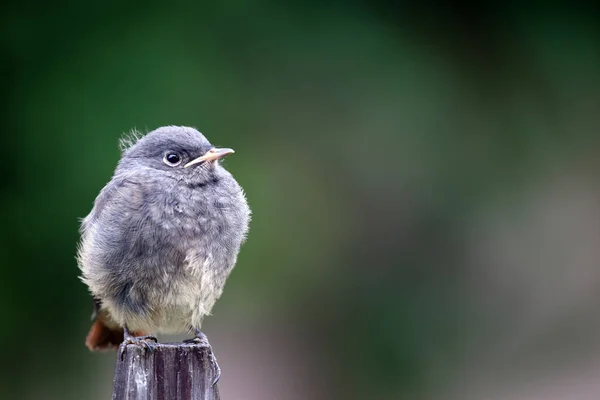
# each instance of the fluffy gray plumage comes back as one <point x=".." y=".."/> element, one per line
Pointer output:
<point x="161" y="240"/>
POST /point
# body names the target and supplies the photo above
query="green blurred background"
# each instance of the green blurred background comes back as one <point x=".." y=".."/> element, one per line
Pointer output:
<point x="424" y="181"/>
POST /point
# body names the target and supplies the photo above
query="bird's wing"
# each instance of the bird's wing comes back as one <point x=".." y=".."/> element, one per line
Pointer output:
<point x="122" y="192"/>
<point x="122" y="187"/>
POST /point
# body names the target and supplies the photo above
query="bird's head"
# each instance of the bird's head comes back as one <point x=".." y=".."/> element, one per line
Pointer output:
<point x="176" y="151"/>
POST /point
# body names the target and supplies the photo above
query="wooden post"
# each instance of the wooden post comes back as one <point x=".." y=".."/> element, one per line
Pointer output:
<point x="170" y="371"/>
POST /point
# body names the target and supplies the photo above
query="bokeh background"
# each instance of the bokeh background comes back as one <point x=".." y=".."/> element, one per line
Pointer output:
<point x="424" y="181"/>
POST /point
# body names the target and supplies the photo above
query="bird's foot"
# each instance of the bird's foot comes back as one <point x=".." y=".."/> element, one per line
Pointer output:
<point x="139" y="340"/>
<point x="201" y="339"/>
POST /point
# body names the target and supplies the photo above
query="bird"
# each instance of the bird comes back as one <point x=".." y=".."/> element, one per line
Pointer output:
<point x="161" y="239"/>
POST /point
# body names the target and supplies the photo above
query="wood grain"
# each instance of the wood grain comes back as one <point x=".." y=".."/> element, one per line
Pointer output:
<point x="171" y="371"/>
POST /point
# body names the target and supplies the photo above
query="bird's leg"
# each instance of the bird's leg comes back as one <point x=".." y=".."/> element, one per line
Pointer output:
<point x="201" y="339"/>
<point x="139" y="340"/>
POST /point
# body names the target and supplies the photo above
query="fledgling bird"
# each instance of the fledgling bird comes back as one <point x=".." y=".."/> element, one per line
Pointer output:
<point x="161" y="239"/>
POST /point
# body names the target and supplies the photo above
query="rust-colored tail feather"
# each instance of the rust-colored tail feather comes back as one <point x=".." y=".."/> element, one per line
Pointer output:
<point x="101" y="337"/>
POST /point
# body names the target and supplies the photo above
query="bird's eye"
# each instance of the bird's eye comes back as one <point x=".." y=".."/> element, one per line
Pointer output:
<point x="172" y="159"/>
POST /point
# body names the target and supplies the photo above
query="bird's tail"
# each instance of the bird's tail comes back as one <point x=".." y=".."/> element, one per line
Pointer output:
<point x="103" y="335"/>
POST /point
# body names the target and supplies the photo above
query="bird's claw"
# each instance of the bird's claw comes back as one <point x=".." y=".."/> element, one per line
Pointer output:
<point x="199" y="338"/>
<point x="192" y="340"/>
<point x="141" y="341"/>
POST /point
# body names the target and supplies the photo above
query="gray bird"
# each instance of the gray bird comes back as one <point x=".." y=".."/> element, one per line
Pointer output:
<point x="161" y="239"/>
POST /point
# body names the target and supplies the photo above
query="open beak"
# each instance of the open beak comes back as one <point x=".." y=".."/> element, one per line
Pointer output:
<point x="211" y="155"/>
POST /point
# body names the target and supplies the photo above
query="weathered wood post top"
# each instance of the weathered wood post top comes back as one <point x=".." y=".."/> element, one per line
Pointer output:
<point x="169" y="371"/>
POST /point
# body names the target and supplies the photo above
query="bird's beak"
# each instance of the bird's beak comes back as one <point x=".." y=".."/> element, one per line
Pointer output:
<point x="211" y="155"/>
